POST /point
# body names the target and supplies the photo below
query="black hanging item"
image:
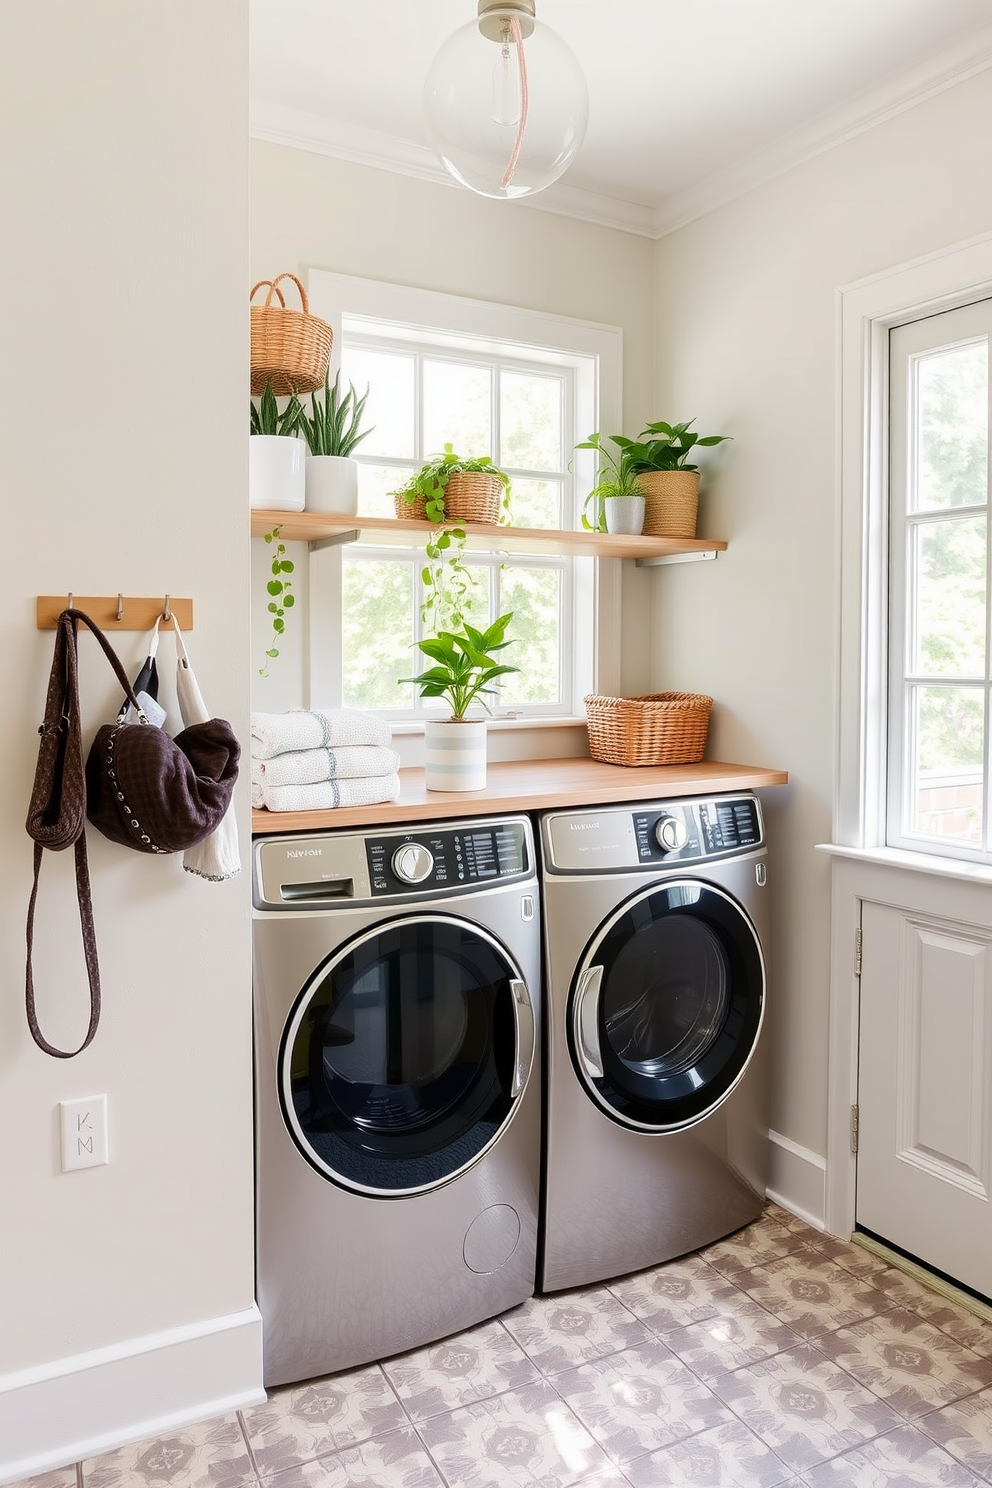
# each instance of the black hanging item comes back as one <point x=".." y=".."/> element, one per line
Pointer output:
<point x="139" y="787"/>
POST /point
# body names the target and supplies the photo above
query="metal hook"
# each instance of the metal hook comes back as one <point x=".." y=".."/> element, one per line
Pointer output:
<point x="120" y="606"/>
<point x="70" y="599"/>
<point x="167" y="612"/>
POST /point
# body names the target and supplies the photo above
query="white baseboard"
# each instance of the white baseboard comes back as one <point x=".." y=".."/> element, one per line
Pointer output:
<point x="797" y="1179"/>
<point x="90" y="1403"/>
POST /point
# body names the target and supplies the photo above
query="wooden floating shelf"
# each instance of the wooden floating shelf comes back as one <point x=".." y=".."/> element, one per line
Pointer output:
<point x="319" y="527"/>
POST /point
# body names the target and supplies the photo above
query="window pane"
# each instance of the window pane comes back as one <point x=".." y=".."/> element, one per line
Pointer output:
<point x="389" y="377"/>
<point x="953" y="396"/>
<point x="457" y="409"/>
<point x="530" y="421"/>
<point x="376" y="484"/>
<point x="377" y="633"/>
<point x="535" y="503"/>
<point x="534" y="596"/>
<point x="946" y="774"/>
<point x="950" y="598"/>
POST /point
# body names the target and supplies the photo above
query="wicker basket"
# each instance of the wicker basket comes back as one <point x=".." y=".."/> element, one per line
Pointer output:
<point x="417" y="508"/>
<point x="672" y="500"/>
<point x="662" y="728"/>
<point x="289" y="348"/>
<point x="473" y="496"/>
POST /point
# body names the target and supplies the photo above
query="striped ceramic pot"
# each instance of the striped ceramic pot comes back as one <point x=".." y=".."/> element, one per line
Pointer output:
<point x="456" y="754"/>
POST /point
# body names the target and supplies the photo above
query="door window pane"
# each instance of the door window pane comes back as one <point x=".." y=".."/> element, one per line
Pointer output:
<point x="530" y="421"/>
<point x="377" y="632"/>
<point x="946" y="770"/>
<point x="534" y="597"/>
<point x="457" y="408"/>
<point x="952" y="399"/>
<point x="389" y="377"/>
<point x="949" y="564"/>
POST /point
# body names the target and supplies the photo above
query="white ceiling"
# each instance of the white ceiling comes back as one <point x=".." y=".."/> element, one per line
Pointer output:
<point x="691" y="102"/>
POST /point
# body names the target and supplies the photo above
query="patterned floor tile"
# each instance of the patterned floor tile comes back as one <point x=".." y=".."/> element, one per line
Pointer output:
<point x="972" y="1331"/>
<point x="756" y="1245"/>
<point x="901" y="1459"/>
<point x="676" y="1294"/>
<point x="212" y="1455"/>
<point x="459" y="1371"/>
<point x="525" y="1439"/>
<point x="726" y="1456"/>
<point x="965" y="1430"/>
<point x="572" y="1328"/>
<point x="730" y="1340"/>
<point x="62" y="1477"/>
<point x="638" y="1401"/>
<point x="907" y="1362"/>
<point x="814" y="1299"/>
<point x="396" y="1460"/>
<point x="803" y="1407"/>
<point x="300" y="1422"/>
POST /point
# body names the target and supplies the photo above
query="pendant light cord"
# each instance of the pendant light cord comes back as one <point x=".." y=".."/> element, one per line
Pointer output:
<point x="522" y="62"/>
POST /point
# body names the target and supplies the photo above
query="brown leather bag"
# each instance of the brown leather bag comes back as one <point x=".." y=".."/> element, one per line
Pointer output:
<point x="139" y="787"/>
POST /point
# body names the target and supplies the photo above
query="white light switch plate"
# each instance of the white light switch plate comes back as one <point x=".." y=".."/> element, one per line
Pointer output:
<point x="84" y="1132"/>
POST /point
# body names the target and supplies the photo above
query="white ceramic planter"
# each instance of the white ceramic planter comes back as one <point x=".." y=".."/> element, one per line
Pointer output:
<point x="456" y="755"/>
<point x="332" y="484"/>
<point x="276" y="472"/>
<point x="624" y="514"/>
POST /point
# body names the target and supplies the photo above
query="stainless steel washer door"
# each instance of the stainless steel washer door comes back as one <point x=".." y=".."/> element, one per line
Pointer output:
<point x="405" y="1054"/>
<point x="666" y="1005"/>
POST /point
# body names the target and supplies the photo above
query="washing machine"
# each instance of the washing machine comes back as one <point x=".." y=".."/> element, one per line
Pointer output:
<point x="655" y="919"/>
<point x="398" y="1104"/>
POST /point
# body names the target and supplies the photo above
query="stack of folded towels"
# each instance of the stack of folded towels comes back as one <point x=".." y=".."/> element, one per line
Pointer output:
<point x="314" y="761"/>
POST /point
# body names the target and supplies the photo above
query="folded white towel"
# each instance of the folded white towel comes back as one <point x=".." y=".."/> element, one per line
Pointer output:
<point x="327" y="794"/>
<point x="278" y="733"/>
<point x="307" y="766"/>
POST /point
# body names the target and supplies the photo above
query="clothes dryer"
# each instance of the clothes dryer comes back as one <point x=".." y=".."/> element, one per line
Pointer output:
<point x="396" y="987"/>
<point x="655" y="917"/>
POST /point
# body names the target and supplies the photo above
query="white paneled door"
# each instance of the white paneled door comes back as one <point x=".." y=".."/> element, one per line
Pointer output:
<point x="925" y="1090"/>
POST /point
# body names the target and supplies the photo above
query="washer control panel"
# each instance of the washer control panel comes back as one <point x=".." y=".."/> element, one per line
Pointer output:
<point x="465" y="857"/>
<point x="659" y="832"/>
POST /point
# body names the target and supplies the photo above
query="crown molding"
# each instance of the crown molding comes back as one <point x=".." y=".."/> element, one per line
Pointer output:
<point x="297" y="129"/>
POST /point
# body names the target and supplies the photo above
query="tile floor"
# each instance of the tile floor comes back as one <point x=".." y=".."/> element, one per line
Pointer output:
<point x="778" y="1358"/>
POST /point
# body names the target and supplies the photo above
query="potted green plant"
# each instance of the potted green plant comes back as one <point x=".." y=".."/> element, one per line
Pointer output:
<point x="276" y="469"/>
<point x="616" y="500"/>
<point x="332" y="429"/>
<point x="465" y="666"/>
<point x="659" y="457"/>
<point x="450" y="487"/>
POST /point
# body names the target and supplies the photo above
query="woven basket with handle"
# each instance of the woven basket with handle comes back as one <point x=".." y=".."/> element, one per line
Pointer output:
<point x="661" y="728"/>
<point x="289" y="348"/>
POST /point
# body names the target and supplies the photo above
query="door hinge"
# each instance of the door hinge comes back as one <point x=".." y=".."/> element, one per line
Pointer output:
<point x="857" y="952"/>
<point x="855" y="1119"/>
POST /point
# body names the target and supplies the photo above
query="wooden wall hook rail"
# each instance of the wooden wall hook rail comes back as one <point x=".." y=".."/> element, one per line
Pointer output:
<point x="115" y="611"/>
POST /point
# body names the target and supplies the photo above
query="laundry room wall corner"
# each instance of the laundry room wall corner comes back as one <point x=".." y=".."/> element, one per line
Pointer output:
<point x="126" y="1289"/>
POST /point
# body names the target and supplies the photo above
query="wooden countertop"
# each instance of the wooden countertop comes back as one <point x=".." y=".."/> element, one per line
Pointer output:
<point x="528" y="785"/>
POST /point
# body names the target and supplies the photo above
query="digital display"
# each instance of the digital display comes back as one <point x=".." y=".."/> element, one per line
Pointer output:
<point x="478" y="856"/>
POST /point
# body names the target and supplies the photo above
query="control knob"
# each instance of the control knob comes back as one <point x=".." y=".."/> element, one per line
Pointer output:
<point x="412" y="862"/>
<point x="671" y="833"/>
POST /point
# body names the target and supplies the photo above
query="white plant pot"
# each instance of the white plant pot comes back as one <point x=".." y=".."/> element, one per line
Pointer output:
<point x="456" y="755"/>
<point x="624" y="514"/>
<point x="276" y="472"/>
<point x="332" y="484"/>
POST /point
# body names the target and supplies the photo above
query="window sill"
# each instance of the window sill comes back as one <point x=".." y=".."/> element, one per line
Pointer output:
<point x="914" y="862"/>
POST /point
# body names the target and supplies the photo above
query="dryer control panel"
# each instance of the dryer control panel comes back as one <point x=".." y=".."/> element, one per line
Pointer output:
<point x="436" y="859"/>
<point x="658" y="832"/>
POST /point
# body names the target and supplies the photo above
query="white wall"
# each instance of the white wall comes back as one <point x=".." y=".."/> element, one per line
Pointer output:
<point x="747" y="342"/>
<point x="123" y="391"/>
<point x="311" y="211"/>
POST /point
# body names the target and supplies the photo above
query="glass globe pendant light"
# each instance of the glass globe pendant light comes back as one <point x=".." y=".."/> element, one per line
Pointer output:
<point x="505" y="102"/>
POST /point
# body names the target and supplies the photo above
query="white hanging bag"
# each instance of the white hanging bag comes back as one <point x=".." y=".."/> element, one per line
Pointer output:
<point x="217" y="857"/>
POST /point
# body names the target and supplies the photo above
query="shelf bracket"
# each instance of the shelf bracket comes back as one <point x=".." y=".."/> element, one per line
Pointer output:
<point x="317" y="544"/>
<point x="675" y="558"/>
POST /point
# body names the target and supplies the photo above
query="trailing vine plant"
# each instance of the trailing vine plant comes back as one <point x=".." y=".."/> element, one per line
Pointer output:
<point x="279" y="590"/>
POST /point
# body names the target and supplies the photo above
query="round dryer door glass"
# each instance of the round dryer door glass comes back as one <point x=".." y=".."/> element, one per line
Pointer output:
<point x="398" y="1062"/>
<point x="667" y="1005"/>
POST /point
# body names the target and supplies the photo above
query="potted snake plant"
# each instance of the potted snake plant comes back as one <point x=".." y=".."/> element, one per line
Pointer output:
<point x="332" y="430"/>
<point x="465" y="666"/>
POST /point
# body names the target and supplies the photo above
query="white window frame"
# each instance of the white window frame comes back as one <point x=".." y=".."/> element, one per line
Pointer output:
<point x="485" y="327"/>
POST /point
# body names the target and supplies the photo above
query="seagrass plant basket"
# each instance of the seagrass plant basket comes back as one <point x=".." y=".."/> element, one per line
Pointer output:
<point x="473" y="496"/>
<point x="289" y="348"/>
<point x="661" y="728"/>
<point x="415" y="508"/>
